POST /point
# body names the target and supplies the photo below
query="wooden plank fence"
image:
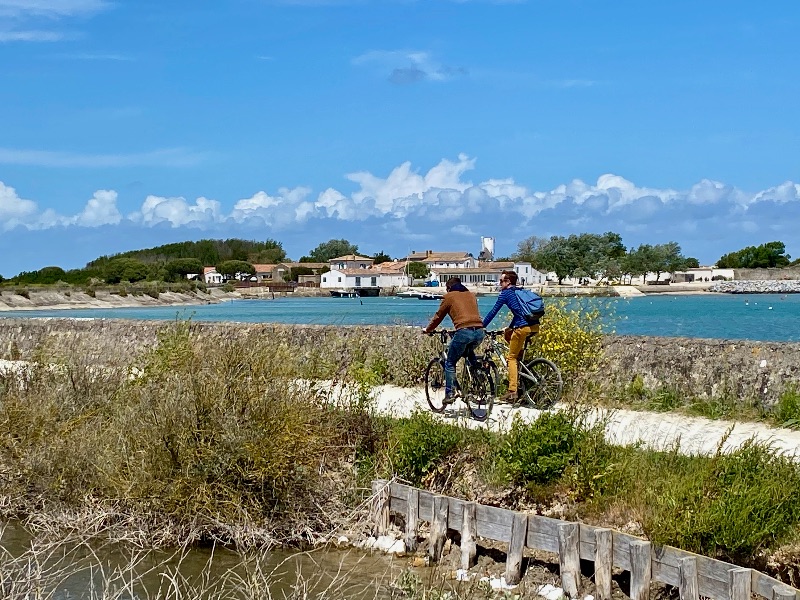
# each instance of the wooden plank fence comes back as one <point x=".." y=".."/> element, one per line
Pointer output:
<point x="694" y="575"/>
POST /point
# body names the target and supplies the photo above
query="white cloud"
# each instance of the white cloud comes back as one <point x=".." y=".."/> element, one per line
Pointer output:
<point x="177" y="212"/>
<point x="408" y="66"/>
<point x="13" y="209"/>
<point x="101" y="209"/>
<point x="30" y="35"/>
<point x="409" y="205"/>
<point x="50" y="8"/>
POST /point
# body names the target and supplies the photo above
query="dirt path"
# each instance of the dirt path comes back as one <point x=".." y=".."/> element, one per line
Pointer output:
<point x="659" y="431"/>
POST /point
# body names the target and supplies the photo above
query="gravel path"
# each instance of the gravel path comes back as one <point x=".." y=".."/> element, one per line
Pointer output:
<point x="659" y="431"/>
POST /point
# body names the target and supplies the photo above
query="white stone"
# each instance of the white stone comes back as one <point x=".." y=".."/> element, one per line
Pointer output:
<point x="589" y="597"/>
<point x="399" y="547"/>
<point x="500" y="584"/>
<point x="342" y="539"/>
<point x="462" y="575"/>
<point x="384" y="542"/>
<point x="369" y="543"/>
<point x="763" y="364"/>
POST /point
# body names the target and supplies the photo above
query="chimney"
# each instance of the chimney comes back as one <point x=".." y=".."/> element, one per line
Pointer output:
<point x="428" y="253"/>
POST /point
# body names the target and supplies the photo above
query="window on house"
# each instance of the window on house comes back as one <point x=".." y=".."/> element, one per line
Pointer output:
<point x="324" y="279"/>
<point x="374" y="281"/>
<point x="339" y="279"/>
<point x="358" y="281"/>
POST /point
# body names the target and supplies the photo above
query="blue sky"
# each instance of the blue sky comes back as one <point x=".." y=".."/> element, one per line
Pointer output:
<point x="396" y="124"/>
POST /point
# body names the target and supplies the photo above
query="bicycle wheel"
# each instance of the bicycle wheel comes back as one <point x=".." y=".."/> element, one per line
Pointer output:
<point x="479" y="396"/>
<point x="434" y="384"/>
<point x="540" y="383"/>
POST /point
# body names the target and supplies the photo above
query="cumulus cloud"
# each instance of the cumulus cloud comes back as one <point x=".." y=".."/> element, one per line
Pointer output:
<point x="177" y="212"/>
<point x="408" y="66"/>
<point x="13" y="209"/>
<point x="408" y="205"/>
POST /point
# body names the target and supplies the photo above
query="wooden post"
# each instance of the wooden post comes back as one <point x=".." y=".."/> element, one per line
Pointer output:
<point x="603" y="562"/>
<point x="519" y="532"/>
<point x="569" y="558"/>
<point x="688" y="588"/>
<point x="412" y="519"/>
<point x="441" y="507"/>
<point x="740" y="582"/>
<point x="641" y="570"/>
<point x="380" y="506"/>
<point x="469" y="528"/>
<point x="783" y="593"/>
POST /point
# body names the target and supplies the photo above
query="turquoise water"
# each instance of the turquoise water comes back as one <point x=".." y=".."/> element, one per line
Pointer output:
<point x="753" y="317"/>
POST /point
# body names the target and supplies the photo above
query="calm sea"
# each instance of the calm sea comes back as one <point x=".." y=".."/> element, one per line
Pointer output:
<point x="753" y="317"/>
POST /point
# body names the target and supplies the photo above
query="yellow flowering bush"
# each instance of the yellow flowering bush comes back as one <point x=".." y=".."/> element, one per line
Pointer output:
<point x="571" y="334"/>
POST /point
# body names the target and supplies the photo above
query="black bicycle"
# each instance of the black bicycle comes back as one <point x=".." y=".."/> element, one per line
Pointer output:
<point x="474" y="382"/>
<point x="540" y="383"/>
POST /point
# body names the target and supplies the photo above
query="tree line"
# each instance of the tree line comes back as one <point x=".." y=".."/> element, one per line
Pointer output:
<point x="585" y="255"/>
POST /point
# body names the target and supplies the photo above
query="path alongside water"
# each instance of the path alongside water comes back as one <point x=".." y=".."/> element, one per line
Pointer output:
<point x="656" y="431"/>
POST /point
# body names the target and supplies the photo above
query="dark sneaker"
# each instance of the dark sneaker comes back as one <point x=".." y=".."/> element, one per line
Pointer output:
<point x="449" y="399"/>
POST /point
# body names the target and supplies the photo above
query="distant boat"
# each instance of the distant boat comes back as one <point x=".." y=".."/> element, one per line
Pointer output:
<point x="408" y="294"/>
<point x="343" y="294"/>
<point x="429" y="296"/>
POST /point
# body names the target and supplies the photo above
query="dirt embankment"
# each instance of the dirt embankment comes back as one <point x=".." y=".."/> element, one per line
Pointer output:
<point x="65" y="299"/>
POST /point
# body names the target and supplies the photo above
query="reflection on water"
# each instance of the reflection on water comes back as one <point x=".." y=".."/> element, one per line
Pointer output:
<point x="69" y="569"/>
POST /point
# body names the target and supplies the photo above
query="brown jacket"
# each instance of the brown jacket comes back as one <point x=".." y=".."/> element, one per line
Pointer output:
<point x="462" y="308"/>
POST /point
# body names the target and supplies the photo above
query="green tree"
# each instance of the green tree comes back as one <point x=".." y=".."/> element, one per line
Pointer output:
<point x="272" y="253"/>
<point x="295" y="272"/>
<point x="418" y="270"/>
<point x="179" y="268"/>
<point x="232" y="268"/>
<point x="331" y="249"/>
<point x="381" y="257"/>
<point x="125" y="269"/>
<point x="771" y="254"/>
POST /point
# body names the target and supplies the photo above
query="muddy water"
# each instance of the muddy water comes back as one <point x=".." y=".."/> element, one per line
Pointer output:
<point x="72" y="570"/>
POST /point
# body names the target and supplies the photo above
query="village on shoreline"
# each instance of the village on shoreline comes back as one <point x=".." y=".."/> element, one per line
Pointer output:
<point x="61" y="299"/>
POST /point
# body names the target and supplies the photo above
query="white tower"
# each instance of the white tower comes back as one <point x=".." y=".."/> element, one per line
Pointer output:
<point x="487" y="248"/>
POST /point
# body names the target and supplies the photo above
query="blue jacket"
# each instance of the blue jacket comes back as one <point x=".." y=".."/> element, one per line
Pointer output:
<point x="508" y="298"/>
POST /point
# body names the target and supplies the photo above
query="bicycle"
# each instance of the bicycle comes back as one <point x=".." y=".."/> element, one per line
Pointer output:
<point x="474" y="384"/>
<point x="539" y="384"/>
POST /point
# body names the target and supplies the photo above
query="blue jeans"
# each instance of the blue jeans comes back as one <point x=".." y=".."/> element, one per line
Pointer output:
<point x="463" y="343"/>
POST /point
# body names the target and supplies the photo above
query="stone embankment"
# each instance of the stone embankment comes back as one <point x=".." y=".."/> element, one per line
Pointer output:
<point x="53" y="299"/>
<point x="748" y="371"/>
<point x="789" y="286"/>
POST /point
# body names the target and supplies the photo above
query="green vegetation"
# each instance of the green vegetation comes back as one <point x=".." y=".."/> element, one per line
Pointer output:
<point x="771" y="254"/>
<point x="208" y="437"/>
<point x="330" y="249"/>
<point x="601" y="257"/>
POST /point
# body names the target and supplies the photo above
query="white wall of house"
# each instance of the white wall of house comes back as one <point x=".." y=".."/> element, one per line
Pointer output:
<point x="212" y="277"/>
<point x="527" y="275"/>
<point x="335" y="279"/>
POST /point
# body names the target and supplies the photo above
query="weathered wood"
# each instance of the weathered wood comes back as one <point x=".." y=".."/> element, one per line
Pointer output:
<point x="603" y="561"/>
<point x="516" y="547"/>
<point x="438" y="528"/>
<point x="543" y="533"/>
<point x="380" y="506"/>
<point x="641" y="570"/>
<point x="666" y="565"/>
<point x="688" y="587"/>
<point x="783" y="592"/>
<point x="469" y="527"/>
<point x="569" y="561"/>
<point x="412" y="519"/>
<point x="739" y="582"/>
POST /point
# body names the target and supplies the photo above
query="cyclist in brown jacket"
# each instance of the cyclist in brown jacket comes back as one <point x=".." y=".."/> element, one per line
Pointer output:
<point x="461" y="306"/>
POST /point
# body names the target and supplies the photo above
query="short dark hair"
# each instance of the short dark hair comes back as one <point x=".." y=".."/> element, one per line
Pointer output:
<point x="451" y="282"/>
<point x="510" y="275"/>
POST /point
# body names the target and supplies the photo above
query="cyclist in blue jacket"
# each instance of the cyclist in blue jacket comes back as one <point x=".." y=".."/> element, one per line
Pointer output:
<point x="516" y="333"/>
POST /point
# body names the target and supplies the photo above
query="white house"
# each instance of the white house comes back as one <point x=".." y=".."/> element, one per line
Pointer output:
<point x="361" y="278"/>
<point x="210" y="276"/>
<point x="444" y="260"/>
<point x="702" y="274"/>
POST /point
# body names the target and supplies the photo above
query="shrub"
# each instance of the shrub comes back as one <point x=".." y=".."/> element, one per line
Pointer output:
<point x="541" y="451"/>
<point x="787" y="410"/>
<point x="731" y="506"/>
<point x="418" y="444"/>
<point x="571" y="335"/>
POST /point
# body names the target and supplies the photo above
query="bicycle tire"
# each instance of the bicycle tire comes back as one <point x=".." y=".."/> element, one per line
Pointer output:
<point x="479" y="396"/>
<point x="434" y="385"/>
<point x="546" y="390"/>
